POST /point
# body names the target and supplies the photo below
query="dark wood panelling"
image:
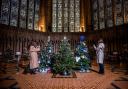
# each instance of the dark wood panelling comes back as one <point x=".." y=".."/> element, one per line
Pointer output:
<point x="18" y="38"/>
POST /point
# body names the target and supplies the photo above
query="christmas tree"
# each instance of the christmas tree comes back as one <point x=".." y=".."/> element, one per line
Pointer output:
<point x="64" y="60"/>
<point x="46" y="53"/>
<point x="82" y="55"/>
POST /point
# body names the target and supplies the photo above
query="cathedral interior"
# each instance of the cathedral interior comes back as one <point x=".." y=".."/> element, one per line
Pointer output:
<point x="23" y="21"/>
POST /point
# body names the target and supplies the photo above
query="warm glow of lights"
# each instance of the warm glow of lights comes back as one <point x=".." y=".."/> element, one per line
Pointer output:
<point x="125" y="19"/>
<point x="42" y="25"/>
<point x="41" y="28"/>
<point x="42" y="20"/>
<point x="82" y="25"/>
<point x="82" y="29"/>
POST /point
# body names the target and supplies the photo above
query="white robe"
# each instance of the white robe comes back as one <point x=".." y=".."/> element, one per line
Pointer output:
<point x="100" y="52"/>
<point x="34" y="57"/>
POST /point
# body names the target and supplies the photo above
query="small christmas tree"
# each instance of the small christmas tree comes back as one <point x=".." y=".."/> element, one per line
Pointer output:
<point x="64" y="61"/>
<point x="82" y="55"/>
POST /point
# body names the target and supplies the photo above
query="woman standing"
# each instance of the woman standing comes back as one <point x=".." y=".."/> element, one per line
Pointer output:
<point x="100" y="55"/>
<point x="33" y="51"/>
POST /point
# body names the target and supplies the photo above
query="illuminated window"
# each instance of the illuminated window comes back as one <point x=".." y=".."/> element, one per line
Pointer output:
<point x="65" y="22"/>
<point x="59" y="16"/>
<point x="77" y="15"/>
<point x="66" y="16"/>
<point x="36" y="19"/>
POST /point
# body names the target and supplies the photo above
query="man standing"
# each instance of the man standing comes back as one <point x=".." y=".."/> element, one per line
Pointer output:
<point x="100" y="55"/>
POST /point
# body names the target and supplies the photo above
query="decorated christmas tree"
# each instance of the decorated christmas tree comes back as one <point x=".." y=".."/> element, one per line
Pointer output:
<point x="82" y="55"/>
<point x="64" y="60"/>
<point x="45" y="57"/>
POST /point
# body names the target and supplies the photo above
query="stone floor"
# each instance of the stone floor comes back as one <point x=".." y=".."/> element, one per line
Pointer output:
<point x="91" y="80"/>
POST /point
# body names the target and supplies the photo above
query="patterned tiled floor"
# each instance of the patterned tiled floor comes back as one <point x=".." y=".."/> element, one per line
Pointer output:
<point x="90" y="80"/>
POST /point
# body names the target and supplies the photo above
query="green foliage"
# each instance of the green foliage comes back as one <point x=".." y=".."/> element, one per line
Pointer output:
<point x="64" y="60"/>
<point x="83" y="62"/>
<point x="83" y="55"/>
<point x="45" y="56"/>
<point x="44" y="59"/>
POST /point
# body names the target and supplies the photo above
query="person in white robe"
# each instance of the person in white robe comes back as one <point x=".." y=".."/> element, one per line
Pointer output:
<point x="100" y="55"/>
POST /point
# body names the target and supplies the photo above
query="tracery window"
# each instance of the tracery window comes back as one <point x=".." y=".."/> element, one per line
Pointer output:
<point x="31" y="14"/>
<point x="20" y="13"/>
<point x="36" y="18"/>
<point x="54" y="16"/>
<point x="59" y="15"/>
<point x="23" y="13"/>
<point x="101" y="14"/>
<point x="109" y="17"/>
<point x="108" y="11"/>
<point x="95" y="14"/>
<point x="4" y="19"/>
<point x="14" y="12"/>
<point x="71" y="16"/>
<point x="66" y="16"/>
<point x="118" y="12"/>
<point x="77" y="15"/>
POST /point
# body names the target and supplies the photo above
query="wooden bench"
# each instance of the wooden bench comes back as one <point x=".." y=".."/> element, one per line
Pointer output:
<point x="120" y="84"/>
<point x="4" y="77"/>
<point x="7" y="84"/>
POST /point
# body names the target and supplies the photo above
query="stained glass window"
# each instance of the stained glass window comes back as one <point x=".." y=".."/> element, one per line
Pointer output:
<point x="95" y="14"/>
<point x="70" y="12"/>
<point x="54" y="16"/>
<point x="65" y="16"/>
<point x="59" y="15"/>
<point x="126" y="10"/>
<point x="14" y="12"/>
<point x="71" y="15"/>
<point x="31" y="14"/>
<point x="23" y="10"/>
<point x="77" y="16"/>
<point x="4" y="19"/>
<point x="10" y="10"/>
<point x="118" y="12"/>
<point x="37" y="4"/>
<point x="109" y="17"/>
<point x="101" y="14"/>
